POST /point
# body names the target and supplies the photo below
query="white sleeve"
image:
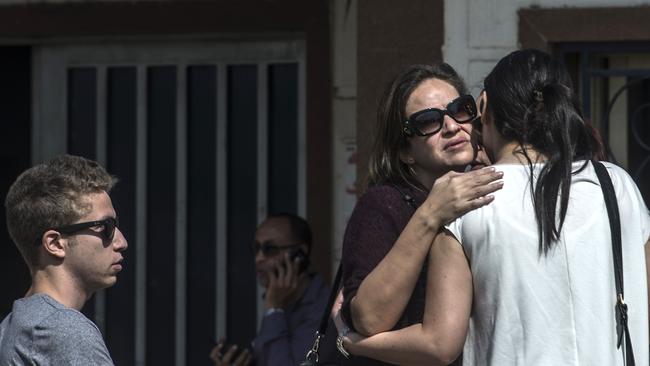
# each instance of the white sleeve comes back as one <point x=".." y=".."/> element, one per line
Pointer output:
<point x="455" y="228"/>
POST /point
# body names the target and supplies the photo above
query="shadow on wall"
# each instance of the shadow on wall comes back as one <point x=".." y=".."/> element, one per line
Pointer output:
<point x="15" y="157"/>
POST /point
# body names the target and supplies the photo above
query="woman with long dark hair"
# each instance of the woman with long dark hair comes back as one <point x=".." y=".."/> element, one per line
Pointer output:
<point x="423" y="136"/>
<point x="529" y="279"/>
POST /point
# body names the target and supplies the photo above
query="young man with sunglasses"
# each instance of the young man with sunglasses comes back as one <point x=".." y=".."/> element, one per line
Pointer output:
<point x="294" y="300"/>
<point x="63" y="222"/>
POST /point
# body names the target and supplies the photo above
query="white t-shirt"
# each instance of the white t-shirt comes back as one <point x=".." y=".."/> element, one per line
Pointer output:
<point x="556" y="309"/>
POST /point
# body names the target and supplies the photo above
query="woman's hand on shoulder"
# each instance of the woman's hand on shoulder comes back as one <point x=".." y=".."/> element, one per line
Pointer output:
<point x="455" y="194"/>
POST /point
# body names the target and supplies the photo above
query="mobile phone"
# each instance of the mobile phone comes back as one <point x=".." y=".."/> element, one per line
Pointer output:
<point x="301" y="256"/>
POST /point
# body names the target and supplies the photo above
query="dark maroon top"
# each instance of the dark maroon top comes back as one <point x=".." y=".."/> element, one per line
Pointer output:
<point x="378" y="219"/>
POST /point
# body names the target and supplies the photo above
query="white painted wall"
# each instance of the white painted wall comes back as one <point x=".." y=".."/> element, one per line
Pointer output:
<point x="344" y="112"/>
<point x="478" y="32"/>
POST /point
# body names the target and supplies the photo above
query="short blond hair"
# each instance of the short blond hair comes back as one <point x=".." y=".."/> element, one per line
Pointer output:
<point x="50" y="195"/>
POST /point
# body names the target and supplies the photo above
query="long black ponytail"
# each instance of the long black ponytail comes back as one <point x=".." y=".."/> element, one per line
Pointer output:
<point x="532" y="102"/>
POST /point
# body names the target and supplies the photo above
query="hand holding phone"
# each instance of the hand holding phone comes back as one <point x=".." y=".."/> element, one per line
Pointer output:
<point x="286" y="280"/>
<point x="225" y="354"/>
<point x="299" y="256"/>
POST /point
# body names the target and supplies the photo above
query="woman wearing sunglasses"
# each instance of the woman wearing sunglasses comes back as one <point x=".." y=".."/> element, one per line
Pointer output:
<point x="423" y="136"/>
<point x="529" y="279"/>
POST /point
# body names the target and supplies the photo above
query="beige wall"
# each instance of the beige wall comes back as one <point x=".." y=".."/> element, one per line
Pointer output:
<point x="344" y="117"/>
<point x="391" y="36"/>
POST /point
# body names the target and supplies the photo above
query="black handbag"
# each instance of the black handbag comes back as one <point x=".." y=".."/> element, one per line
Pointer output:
<point x="611" y="203"/>
<point x="313" y="358"/>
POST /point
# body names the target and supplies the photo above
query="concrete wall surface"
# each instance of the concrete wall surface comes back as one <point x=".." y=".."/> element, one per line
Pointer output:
<point x="478" y="33"/>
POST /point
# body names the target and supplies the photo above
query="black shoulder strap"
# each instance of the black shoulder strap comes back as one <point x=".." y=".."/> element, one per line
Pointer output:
<point x="337" y="280"/>
<point x="406" y="197"/>
<point x="312" y="354"/>
<point x="330" y="302"/>
<point x="615" y="228"/>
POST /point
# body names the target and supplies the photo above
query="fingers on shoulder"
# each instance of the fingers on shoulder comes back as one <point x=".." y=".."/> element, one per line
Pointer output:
<point x="483" y="176"/>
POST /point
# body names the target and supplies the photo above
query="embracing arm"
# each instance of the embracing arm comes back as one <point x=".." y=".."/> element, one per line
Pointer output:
<point x="440" y="338"/>
<point x="383" y="295"/>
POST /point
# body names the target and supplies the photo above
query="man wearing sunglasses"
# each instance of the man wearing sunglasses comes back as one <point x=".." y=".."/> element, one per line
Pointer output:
<point x="294" y="299"/>
<point x="63" y="222"/>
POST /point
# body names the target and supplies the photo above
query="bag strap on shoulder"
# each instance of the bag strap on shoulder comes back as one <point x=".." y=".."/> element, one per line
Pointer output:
<point x="406" y="197"/>
<point x="615" y="228"/>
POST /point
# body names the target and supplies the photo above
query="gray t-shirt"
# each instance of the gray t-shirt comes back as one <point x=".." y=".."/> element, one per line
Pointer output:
<point x="41" y="331"/>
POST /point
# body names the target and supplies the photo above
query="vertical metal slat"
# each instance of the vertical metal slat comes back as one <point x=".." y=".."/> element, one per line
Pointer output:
<point x="141" y="221"/>
<point x="181" y="213"/>
<point x="262" y="160"/>
<point x="100" y="153"/>
<point x="302" y="138"/>
<point x="221" y="201"/>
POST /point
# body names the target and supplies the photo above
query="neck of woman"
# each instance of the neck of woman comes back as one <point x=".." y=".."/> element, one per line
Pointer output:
<point x="426" y="180"/>
<point x="513" y="153"/>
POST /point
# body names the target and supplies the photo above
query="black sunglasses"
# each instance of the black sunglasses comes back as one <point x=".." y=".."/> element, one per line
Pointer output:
<point x="108" y="227"/>
<point x="429" y="121"/>
<point x="270" y="250"/>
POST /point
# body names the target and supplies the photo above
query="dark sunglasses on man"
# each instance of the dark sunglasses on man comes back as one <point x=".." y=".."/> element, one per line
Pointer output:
<point x="270" y="250"/>
<point x="107" y="225"/>
<point x="429" y="121"/>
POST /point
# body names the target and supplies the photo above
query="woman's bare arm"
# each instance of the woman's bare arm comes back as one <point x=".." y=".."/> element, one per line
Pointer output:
<point x="440" y="338"/>
<point x="385" y="292"/>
